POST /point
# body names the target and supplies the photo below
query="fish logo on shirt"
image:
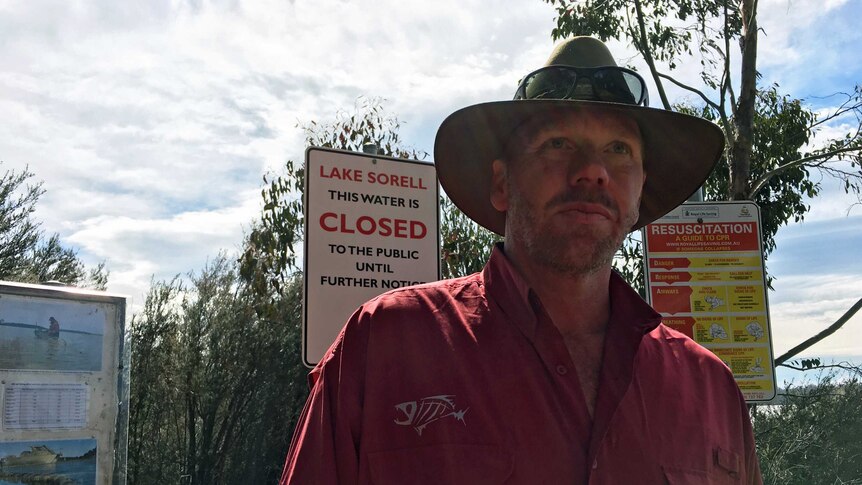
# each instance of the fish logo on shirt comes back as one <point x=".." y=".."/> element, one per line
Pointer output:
<point x="420" y="414"/>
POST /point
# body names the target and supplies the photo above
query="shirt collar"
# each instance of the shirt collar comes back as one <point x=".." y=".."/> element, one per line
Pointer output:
<point x="628" y="306"/>
<point x="510" y="291"/>
<point x="518" y="301"/>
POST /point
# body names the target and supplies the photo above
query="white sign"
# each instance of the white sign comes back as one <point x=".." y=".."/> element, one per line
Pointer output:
<point x="45" y="406"/>
<point x="371" y="225"/>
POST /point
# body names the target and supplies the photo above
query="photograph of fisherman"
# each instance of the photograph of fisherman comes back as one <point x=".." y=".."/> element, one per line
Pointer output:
<point x="51" y="335"/>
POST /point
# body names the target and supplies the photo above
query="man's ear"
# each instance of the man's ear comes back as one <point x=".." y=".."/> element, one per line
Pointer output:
<point x="499" y="186"/>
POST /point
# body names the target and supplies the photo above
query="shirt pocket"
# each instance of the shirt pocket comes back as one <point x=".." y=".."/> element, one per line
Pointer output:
<point x="725" y="471"/>
<point x="455" y="464"/>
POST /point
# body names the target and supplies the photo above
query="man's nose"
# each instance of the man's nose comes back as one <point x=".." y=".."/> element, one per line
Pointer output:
<point x="588" y="168"/>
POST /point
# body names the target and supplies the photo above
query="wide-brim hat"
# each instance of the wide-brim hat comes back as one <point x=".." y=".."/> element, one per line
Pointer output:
<point x="679" y="151"/>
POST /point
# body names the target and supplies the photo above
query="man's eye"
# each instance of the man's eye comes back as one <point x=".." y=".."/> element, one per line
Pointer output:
<point x="557" y="143"/>
<point x="620" y="147"/>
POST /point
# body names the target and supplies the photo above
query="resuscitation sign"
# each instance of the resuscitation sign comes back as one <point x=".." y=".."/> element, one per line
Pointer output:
<point x="370" y="227"/>
<point x="706" y="277"/>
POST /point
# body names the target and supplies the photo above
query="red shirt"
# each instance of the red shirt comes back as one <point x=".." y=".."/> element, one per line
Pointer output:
<point x="467" y="381"/>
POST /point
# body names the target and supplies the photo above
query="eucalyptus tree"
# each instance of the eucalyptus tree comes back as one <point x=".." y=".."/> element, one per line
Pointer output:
<point x="667" y="31"/>
<point x="770" y="156"/>
<point x="27" y="255"/>
<point x="216" y="388"/>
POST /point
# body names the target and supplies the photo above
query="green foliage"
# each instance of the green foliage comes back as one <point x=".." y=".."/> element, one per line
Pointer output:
<point x="466" y="245"/>
<point x="270" y="252"/>
<point x="806" y="364"/>
<point x="669" y="26"/>
<point x="629" y="263"/>
<point x="269" y="255"/>
<point x="281" y="390"/>
<point x="813" y="435"/>
<point x="368" y="124"/>
<point x="155" y="450"/>
<point x="25" y="254"/>
<point x="782" y="129"/>
<point x="216" y="389"/>
<point x="18" y="232"/>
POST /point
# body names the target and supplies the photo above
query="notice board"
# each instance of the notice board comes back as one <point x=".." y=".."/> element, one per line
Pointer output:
<point x="63" y="385"/>
<point x="371" y="225"/>
<point x="705" y="275"/>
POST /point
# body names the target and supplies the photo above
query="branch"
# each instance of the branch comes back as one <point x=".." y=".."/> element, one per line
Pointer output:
<point x="724" y="121"/>
<point x="692" y="89"/>
<point x="820" y="336"/>
<point x="845" y="108"/>
<point x="648" y="56"/>
<point x="825" y="394"/>
<point x="762" y="181"/>
<point x="836" y="172"/>
<point x="825" y="366"/>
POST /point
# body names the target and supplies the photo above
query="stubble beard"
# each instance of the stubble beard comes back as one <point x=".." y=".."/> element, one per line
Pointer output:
<point x="575" y="251"/>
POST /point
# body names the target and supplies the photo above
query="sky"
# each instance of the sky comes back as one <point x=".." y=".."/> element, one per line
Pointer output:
<point x="152" y="123"/>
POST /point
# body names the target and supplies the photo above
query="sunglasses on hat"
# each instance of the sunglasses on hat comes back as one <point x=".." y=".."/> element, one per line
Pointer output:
<point x="608" y="83"/>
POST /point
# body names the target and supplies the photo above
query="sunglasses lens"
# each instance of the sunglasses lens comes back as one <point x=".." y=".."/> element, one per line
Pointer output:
<point x="618" y="86"/>
<point x="610" y="84"/>
<point x="550" y="83"/>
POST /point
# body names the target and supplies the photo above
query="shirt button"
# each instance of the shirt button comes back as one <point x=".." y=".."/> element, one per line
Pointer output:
<point x="595" y="464"/>
<point x="561" y="369"/>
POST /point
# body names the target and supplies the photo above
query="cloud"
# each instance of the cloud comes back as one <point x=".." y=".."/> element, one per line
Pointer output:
<point x="808" y="305"/>
<point x="810" y="248"/>
<point x="137" y="249"/>
<point x="817" y="280"/>
<point x="151" y="123"/>
<point x="793" y="46"/>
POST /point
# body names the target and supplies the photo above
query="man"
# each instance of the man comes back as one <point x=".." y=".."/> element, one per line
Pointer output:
<point x="54" y="328"/>
<point x="546" y="367"/>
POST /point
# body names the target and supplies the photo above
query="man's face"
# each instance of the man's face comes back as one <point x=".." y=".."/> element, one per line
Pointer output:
<point x="571" y="188"/>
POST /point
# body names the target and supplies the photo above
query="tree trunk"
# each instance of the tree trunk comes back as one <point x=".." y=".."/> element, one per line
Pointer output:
<point x="191" y="428"/>
<point x="191" y="453"/>
<point x="743" y="122"/>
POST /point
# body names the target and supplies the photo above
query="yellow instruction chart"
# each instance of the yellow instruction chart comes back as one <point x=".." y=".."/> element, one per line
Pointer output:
<point x="705" y="275"/>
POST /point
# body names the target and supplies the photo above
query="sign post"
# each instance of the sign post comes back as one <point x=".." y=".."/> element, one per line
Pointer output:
<point x="371" y="225"/>
<point x="705" y="275"/>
